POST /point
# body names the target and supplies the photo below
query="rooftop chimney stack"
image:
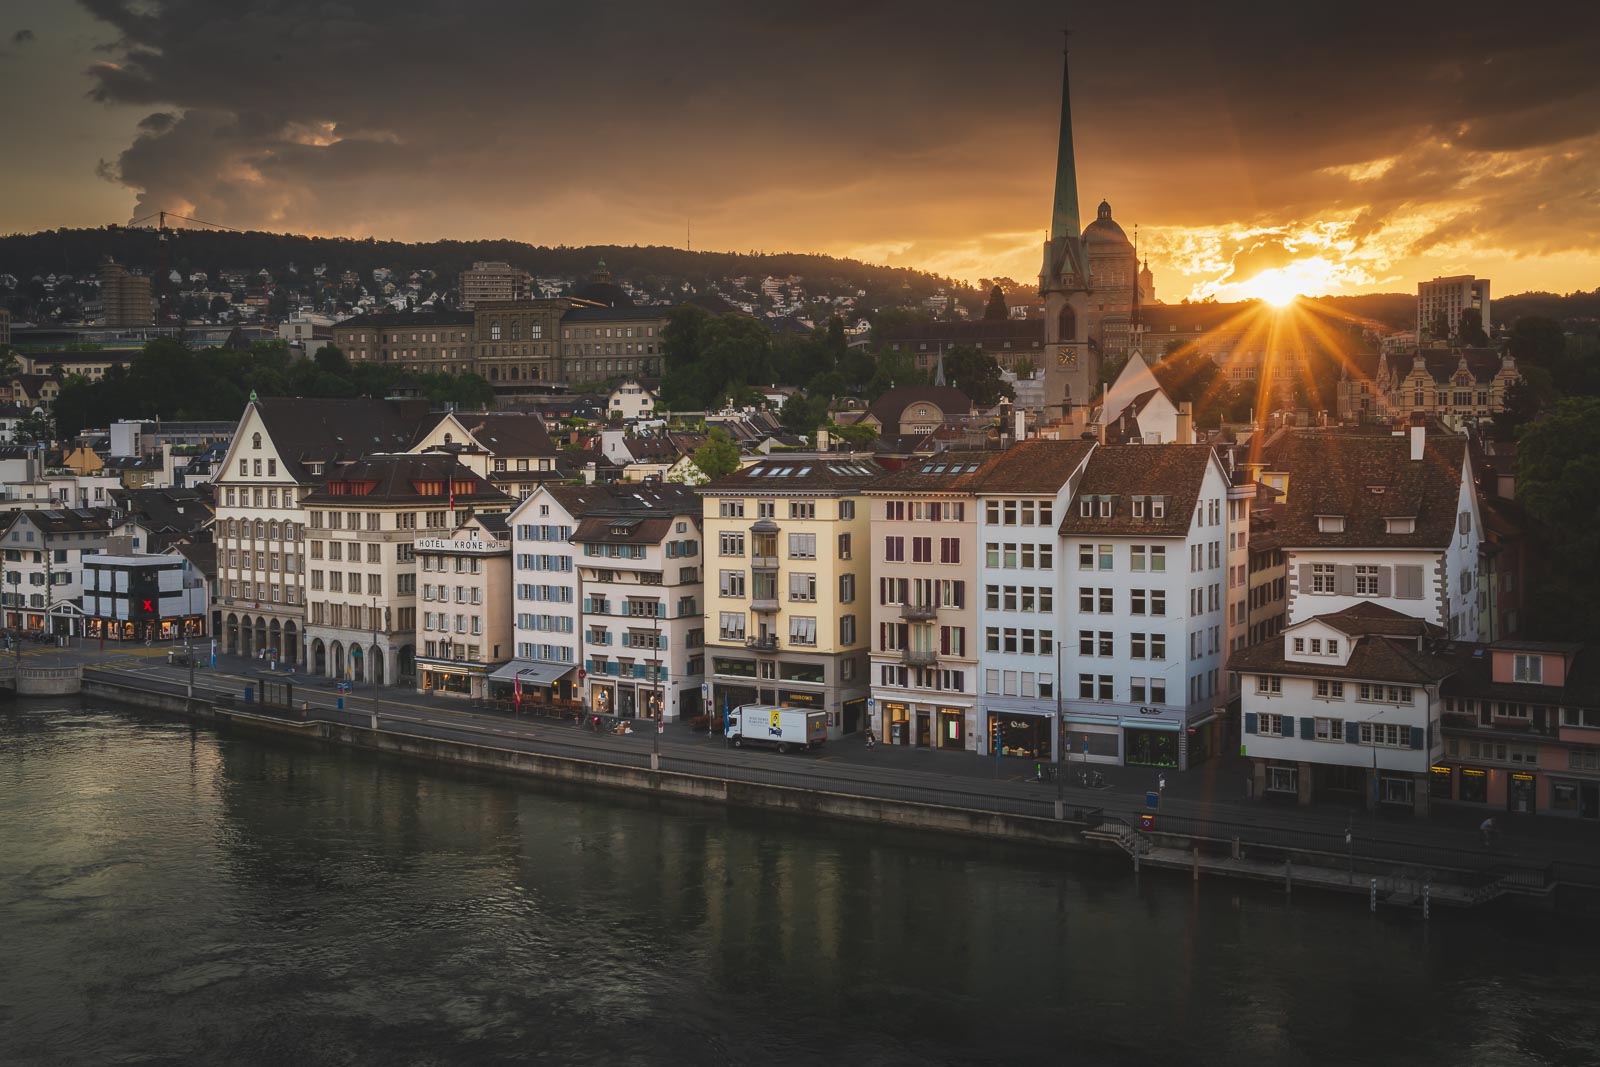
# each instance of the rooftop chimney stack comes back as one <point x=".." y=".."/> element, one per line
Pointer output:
<point x="1419" y="437"/>
<point x="1019" y="419"/>
<point x="1185" y="424"/>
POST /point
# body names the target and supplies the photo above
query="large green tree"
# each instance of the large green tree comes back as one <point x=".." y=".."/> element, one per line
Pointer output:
<point x="719" y="455"/>
<point x="977" y="374"/>
<point x="1558" y="482"/>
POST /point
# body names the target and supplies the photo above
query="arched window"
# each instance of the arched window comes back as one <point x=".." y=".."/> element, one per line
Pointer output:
<point x="494" y="329"/>
<point x="255" y="440"/>
<point x="449" y="439"/>
<point x="1068" y="323"/>
<point x="272" y="530"/>
<point x="261" y="529"/>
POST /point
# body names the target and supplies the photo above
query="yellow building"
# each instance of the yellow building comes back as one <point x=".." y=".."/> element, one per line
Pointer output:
<point x="788" y="598"/>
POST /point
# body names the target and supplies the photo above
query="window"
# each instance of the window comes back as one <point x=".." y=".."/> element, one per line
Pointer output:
<point x="847" y="629"/>
<point x="1528" y="668"/>
<point x="802" y="587"/>
<point x="732" y="583"/>
<point x="1386" y="735"/>
<point x="847" y="509"/>
<point x="847" y="588"/>
<point x="1366" y="580"/>
<point x="1086" y="557"/>
<point x="1283" y="779"/>
<point x="732" y="544"/>
<point x="1106" y="557"/>
<point x="1322" y="578"/>
<point x="1327" y="690"/>
<point x="731" y="626"/>
<point x="921" y="549"/>
<point x="1269" y="684"/>
<point x="802" y="630"/>
<point x="844" y="546"/>
<point x="894" y="549"/>
<point x="1272" y="725"/>
<point x="1330" y="730"/>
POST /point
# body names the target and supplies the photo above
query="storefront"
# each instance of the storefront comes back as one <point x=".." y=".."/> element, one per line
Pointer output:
<point x="1151" y="745"/>
<point x="532" y="682"/>
<point x="1520" y="792"/>
<point x="1576" y="797"/>
<point x="127" y="630"/>
<point x="453" y="682"/>
<point x="1023" y="735"/>
<point x="1474" y="785"/>
<point x="1094" y="742"/>
<point x="897" y="723"/>
<point x="1441" y="783"/>
<point x="602" y="698"/>
<point x="952" y="728"/>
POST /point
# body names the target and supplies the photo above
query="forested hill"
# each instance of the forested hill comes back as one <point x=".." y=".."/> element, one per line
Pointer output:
<point x="652" y="267"/>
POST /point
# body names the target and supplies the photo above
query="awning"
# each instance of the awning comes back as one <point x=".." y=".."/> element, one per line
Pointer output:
<point x="1151" y="724"/>
<point x="1204" y="720"/>
<point x="533" y="671"/>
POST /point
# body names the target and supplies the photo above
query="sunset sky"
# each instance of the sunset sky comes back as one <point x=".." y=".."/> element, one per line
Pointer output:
<point x="1348" y="148"/>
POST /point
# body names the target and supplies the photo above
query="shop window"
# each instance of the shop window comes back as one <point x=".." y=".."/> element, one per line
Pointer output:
<point x="1283" y="779"/>
<point x="1439" y="783"/>
<point x="1474" y="785"/>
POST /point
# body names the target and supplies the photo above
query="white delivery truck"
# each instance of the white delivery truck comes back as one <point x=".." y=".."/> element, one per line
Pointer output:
<point x="783" y="728"/>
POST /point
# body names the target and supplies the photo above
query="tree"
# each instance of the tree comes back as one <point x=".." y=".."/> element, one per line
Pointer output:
<point x="1558" y="482"/>
<point x="893" y="368"/>
<point x="719" y="456"/>
<point x="996" y="308"/>
<point x="36" y="427"/>
<point x="977" y="374"/>
<point x="858" y="436"/>
<point x="802" y="414"/>
<point x="1471" y="332"/>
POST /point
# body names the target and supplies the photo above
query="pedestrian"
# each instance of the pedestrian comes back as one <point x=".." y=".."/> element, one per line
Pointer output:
<point x="870" y="739"/>
<point x="1161" y="782"/>
<point x="1487" y="829"/>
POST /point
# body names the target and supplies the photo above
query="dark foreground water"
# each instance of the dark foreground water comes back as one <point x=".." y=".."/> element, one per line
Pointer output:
<point x="171" y="896"/>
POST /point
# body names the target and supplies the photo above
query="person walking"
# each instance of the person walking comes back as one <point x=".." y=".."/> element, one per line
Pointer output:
<point x="1487" y="829"/>
<point x="870" y="740"/>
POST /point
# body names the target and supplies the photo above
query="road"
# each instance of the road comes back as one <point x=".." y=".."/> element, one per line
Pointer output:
<point x="1209" y="800"/>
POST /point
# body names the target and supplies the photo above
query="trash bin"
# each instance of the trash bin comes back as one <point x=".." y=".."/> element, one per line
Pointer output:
<point x="338" y="702"/>
<point x="249" y="693"/>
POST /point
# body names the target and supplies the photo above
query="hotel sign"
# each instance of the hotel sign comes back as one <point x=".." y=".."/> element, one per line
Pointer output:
<point x="440" y="544"/>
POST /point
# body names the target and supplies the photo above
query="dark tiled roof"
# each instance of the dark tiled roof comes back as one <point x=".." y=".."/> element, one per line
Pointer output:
<point x="1123" y="472"/>
<point x="647" y="313"/>
<point x="1035" y="466"/>
<point x="1369" y="618"/>
<point x="1441" y="364"/>
<point x="68" y="520"/>
<point x="496" y="523"/>
<point x="943" y="472"/>
<point x="969" y="333"/>
<point x="508" y="434"/>
<point x="580" y="499"/>
<point x="1374" y="657"/>
<point x="177" y="510"/>
<point x="395" y="478"/>
<point x="643" y="529"/>
<point x="306" y="430"/>
<point x="390" y="320"/>
<point x="202" y="554"/>
<point x="1340" y="474"/>
<point x="891" y="406"/>
<point x="798" y="474"/>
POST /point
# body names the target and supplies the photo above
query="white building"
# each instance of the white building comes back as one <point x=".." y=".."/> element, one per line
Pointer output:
<point x="42" y="569"/>
<point x="1021" y="599"/>
<point x="1388" y="519"/>
<point x="1145" y="549"/>
<point x="1448" y="298"/>
<point x="632" y="401"/>
<point x="1345" y="706"/>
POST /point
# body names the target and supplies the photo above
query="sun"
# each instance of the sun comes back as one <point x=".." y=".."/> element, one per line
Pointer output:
<point x="1276" y="287"/>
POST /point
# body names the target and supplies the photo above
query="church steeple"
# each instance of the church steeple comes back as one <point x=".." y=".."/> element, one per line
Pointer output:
<point x="1064" y="221"/>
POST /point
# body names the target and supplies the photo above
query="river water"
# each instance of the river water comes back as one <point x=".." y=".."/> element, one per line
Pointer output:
<point x="169" y="895"/>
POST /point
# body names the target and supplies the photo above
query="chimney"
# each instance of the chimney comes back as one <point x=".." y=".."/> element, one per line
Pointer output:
<point x="588" y="473"/>
<point x="1185" y="429"/>
<point x="1419" y="436"/>
<point x="824" y="440"/>
<point x="1019" y="421"/>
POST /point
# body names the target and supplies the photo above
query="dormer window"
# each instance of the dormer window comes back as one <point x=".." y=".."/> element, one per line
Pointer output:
<point x="1138" y="507"/>
<point x="1330" y="524"/>
<point x="1526" y="667"/>
<point x="1300" y="644"/>
<point x="255" y="440"/>
<point x="1158" y="507"/>
<point x="1400" y="525"/>
<point x="1105" y="507"/>
<point x="1086" y="507"/>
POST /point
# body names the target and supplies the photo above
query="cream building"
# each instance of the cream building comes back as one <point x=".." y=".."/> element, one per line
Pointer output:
<point x="788" y="572"/>
<point x="361" y="575"/>
<point x="464" y="606"/>
<point x="924" y="635"/>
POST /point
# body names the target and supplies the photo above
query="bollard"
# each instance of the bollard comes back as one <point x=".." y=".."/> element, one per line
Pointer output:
<point x="1374" y="904"/>
<point x="1197" y="863"/>
<point x="374" y="720"/>
<point x="1236" y="846"/>
<point x="1288" y="877"/>
<point x="1427" y="890"/>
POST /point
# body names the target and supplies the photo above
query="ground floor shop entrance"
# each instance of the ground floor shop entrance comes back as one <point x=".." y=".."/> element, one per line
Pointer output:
<point x="1150" y="748"/>
<point x="1017" y="734"/>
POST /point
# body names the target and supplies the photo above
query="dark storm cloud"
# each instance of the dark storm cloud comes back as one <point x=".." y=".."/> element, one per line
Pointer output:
<point x="883" y="123"/>
<point x="21" y="37"/>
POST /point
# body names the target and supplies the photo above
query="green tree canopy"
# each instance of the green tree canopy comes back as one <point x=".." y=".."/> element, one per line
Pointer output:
<point x="719" y="456"/>
<point x="977" y="374"/>
<point x="995" y="309"/>
<point x="1558" y="482"/>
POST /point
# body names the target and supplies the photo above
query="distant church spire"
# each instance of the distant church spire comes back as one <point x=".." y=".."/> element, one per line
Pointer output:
<point x="938" y="375"/>
<point x="1064" y="220"/>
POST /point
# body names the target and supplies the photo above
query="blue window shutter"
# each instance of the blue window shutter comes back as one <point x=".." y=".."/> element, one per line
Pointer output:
<point x="1417" y="736"/>
<point x="1352" y="733"/>
<point x="1249" y="722"/>
<point x="1308" y="728"/>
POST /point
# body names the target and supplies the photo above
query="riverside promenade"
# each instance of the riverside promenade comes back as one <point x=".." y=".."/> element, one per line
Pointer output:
<point x="1207" y="804"/>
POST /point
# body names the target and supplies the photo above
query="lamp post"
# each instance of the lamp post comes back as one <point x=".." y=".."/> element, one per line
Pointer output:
<point x="655" y="670"/>
<point x="371" y="673"/>
<point x="1061" y="741"/>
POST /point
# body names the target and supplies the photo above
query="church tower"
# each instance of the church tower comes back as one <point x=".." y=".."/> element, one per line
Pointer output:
<point x="1071" y="367"/>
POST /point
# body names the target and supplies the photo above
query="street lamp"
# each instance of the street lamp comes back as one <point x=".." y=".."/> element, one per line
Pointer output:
<point x="655" y="670"/>
<point x="1061" y="741"/>
<point x="371" y="673"/>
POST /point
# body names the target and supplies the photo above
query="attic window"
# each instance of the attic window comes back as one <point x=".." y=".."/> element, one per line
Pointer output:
<point x="255" y="440"/>
<point x="1527" y="668"/>
<point x="1375" y="490"/>
<point x="1086" y="507"/>
<point x="1138" y="507"/>
<point x="1158" y="507"/>
<point x="1330" y="524"/>
<point x="1105" y="507"/>
<point x="1399" y="526"/>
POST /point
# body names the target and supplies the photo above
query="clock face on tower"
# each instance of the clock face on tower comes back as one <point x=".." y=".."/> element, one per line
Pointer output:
<point x="1067" y="357"/>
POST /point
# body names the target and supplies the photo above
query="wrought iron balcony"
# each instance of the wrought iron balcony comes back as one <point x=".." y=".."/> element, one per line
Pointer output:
<point x="768" y="643"/>
<point x="918" y="612"/>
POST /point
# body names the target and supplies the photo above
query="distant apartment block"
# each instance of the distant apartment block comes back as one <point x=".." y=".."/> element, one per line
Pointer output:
<point x="1447" y="298"/>
<point x="124" y="296"/>
<point x="493" y="281"/>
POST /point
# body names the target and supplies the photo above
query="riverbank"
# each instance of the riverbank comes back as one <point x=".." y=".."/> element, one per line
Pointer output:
<point x="1396" y="873"/>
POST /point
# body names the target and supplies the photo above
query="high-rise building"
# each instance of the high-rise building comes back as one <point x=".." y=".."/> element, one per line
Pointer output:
<point x="1441" y="302"/>
<point x="492" y="280"/>
<point x="124" y="296"/>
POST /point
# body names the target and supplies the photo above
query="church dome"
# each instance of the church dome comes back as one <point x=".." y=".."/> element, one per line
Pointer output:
<point x="1104" y="230"/>
<point x="600" y="289"/>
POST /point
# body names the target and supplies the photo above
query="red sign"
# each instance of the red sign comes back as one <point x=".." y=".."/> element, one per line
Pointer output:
<point x="1147" y="820"/>
<point x="582" y="674"/>
<point x="148" y="607"/>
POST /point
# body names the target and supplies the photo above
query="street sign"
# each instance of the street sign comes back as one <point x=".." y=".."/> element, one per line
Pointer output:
<point x="661" y="726"/>
<point x="871" y="703"/>
<point x="1152" y="800"/>
<point x="1147" y="820"/>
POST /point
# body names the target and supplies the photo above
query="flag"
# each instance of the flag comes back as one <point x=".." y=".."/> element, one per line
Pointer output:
<point x="452" y="496"/>
<point x="516" y="686"/>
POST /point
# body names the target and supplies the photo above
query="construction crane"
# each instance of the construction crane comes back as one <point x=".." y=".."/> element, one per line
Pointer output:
<point x="164" y="234"/>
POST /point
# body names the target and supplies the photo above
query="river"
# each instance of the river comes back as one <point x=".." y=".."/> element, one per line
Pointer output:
<point x="172" y="895"/>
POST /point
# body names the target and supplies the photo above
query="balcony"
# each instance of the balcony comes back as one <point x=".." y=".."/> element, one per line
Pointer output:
<point x="764" y="605"/>
<point x="918" y="612"/>
<point x="764" y="643"/>
<point x="763" y="563"/>
<point x="919" y="657"/>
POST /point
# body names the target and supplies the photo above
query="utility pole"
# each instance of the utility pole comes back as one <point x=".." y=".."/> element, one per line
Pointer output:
<point x="655" y="669"/>
<point x="1061" y="741"/>
<point x="371" y="673"/>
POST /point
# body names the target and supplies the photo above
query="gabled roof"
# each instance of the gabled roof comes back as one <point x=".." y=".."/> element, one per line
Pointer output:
<point x="1367" y="617"/>
<point x="944" y="472"/>
<point x="890" y="407"/>
<point x="508" y="433"/>
<point x="1441" y="364"/>
<point x="390" y="320"/>
<point x="395" y="479"/>
<point x="1373" y="657"/>
<point x="623" y="530"/>
<point x="1122" y="472"/>
<point x="174" y="510"/>
<point x="1035" y="466"/>
<point x="797" y="475"/>
<point x="1367" y="480"/>
<point x="329" y="431"/>
<point x="67" y="520"/>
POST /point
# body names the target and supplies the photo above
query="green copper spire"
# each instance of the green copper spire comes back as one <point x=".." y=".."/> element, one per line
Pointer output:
<point x="1064" y="220"/>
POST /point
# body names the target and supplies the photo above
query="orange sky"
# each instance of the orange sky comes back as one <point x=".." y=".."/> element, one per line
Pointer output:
<point x="1256" y="155"/>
